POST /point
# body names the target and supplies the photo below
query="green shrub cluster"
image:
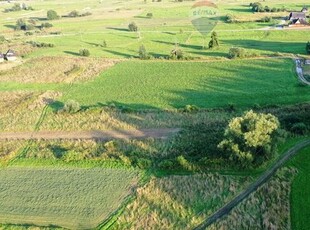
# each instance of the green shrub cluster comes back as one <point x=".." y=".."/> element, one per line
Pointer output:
<point x="84" y="52"/>
<point x="40" y="44"/>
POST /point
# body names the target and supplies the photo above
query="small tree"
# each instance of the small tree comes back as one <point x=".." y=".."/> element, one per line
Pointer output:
<point x="133" y="27"/>
<point x="308" y="48"/>
<point x="143" y="54"/>
<point x="214" y="41"/>
<point x="52" y="15"/>
<point x="177" y="53"/>
<point x="104" y="44"/>
<point x="251" y="138"/>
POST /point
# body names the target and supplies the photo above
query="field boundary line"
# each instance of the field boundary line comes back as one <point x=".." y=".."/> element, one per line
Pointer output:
<point x="253" y="187"/>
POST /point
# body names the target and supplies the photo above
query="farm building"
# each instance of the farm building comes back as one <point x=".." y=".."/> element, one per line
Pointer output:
<point x="10" y="55"/>
<point x="304" y="10"/>
<point x="307" y="62"/>
<point x="1" y="57"/>
<point x="298" y="19"/>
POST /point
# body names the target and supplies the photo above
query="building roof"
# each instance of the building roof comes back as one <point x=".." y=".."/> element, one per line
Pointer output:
<point x="304" y="9"/>
<point x="297" y="15"/>
<point x="300" y="21"/>
<point x="1" y="55"/>
<point x="10" y="53"/>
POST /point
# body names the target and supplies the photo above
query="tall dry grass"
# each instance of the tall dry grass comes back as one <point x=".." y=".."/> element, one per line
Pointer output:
<point x="174" y="202"/>
<point x="267" y="208"/>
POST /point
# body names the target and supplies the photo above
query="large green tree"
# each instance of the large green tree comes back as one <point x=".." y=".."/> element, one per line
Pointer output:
<point x="251" y="138"/>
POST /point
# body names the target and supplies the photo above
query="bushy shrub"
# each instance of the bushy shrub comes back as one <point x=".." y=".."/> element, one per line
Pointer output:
<point x="2" y="39"/>
<point x="71" y="106"/>
<point x="143" y="54"/>
<point x="190" y="108"/>
<point x="84" y="52"/>
<point x="46" y="25"/>
<point x="177" y="53"/>
<point x="266" y="19"/>
<point x="230" y="18"/>
<point x="143" y="163"/>
<point x="40" y="44"/>
<point x="52" y="15"/>
<point x="22" y="24"/>
<point x="133" y="27"/>
<point x="166" y="164"/>
<point x="74" y="14"/>
<point x="299" y="128"/>
<point x="149" y="15"/>
<point x="237" y="52"/>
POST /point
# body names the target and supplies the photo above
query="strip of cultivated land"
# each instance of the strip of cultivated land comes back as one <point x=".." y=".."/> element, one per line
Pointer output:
<point x="70" y="198"/>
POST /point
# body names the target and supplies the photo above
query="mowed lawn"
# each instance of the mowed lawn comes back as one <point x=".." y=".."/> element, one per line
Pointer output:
<point x="300" y="195"/>
<point x="70" y="198"/>
<point x="165" y="84"/>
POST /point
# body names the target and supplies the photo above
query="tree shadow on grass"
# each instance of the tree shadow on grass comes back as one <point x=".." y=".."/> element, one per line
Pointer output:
<point x="118" y="29"/>
<point x="197" y="47"/>
<point x="241" y="10"/>
<point x="273" y="46"/>
<point x="72" y="53"/>
<point x="10" y="26"/>
<point x="58" y="151"/>
<point x="117" y="53"/>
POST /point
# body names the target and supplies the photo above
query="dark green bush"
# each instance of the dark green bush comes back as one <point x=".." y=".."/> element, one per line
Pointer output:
<point x="84" y="52"/>
<point x="299" y="128"/>
<point x="52" y="15"/>
<point x="166" y="164"/>
<point x="133" y="27"/>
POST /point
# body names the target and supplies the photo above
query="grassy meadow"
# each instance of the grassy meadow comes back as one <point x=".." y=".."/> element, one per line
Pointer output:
<point x="72" y="198"/>
<point x="147" y="184"/>
<point x="299" y="196"/>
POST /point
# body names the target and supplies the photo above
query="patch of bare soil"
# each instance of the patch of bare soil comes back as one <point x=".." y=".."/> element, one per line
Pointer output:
<point x="89" y="135"/>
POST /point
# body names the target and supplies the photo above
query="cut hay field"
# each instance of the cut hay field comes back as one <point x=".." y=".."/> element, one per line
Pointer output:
<point x="244" y="83"/>
<point x="70" y="198"/>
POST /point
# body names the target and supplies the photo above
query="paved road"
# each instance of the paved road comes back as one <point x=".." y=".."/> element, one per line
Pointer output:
<point x="90" y="135"/>
<point x="253" y="187"/>
<point x="300" y="72"/>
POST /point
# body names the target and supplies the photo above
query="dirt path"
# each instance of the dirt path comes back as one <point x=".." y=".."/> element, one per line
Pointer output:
<point x="300" y="73"/>
<point x="90" y="135"/>
<point x="253" y="187"/>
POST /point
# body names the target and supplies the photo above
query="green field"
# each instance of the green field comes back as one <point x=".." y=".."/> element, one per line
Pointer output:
<point x="71" y="198"/>
<point x="172" y="183"/>
<point x="138" y="84"/>
<point x="300" y="196"/>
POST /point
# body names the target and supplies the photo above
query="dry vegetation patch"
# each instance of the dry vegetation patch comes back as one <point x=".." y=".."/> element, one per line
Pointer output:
<point x="56" y="69"/>
<point x="267" y="208"/>
<point x="20" y="110"/>
<point x="175" y="202"/>
<point x="107" y="119"/>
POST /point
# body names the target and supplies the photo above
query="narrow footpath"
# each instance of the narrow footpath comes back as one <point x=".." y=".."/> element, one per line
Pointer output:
<point x="253" y="187"/>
